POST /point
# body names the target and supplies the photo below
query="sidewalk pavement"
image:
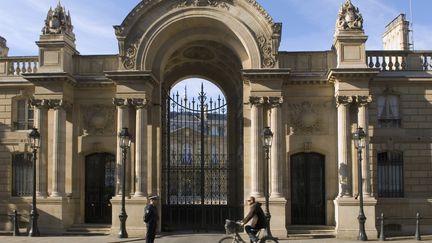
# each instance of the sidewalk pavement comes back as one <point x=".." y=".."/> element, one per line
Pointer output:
<point x="182" y="238"/>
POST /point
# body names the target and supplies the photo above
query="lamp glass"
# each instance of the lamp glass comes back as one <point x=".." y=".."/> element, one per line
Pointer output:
<point x="359" y="138"/>
<point x="34" y="137"/>
<point x="267" y="137"/>
<point x="125" y="138"/>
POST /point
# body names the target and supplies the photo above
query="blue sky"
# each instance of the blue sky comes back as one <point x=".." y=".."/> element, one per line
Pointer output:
<point x="308" y="25"/>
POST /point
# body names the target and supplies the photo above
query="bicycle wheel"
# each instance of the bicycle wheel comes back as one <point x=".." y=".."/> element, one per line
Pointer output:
<point x="229" y="239"/>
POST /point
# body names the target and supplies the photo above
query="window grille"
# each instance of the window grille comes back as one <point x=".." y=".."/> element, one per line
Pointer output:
<point x="390" y="174"/>
<point x="22" y="175"/>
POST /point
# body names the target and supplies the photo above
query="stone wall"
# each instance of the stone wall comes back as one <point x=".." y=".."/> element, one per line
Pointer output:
<point x="413" y="138"/>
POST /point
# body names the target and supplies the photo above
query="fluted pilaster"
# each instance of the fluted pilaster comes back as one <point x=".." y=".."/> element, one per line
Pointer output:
<point x="363" y="121"/>
<point x="345" y="179"/>
<point x="140" y="147"/>
<point x="122" y="121"/>
<point x="276" y="160"/>
<point x="58" y="147"/>
<point x="41" y="122"/>
<point x="257" y="166"/>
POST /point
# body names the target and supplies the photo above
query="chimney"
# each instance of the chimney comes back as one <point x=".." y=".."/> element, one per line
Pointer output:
<point x="396" y="35"/>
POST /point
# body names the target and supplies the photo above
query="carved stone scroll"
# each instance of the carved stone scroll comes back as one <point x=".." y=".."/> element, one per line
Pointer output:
<point x="98" y="120"/>
<point x="58" y="21"/>
<point x="203" y="3"/>
<point x="255" y="100"/>
<point x="343" y="100"/>
<point x="309" y="118"/>
<point x="364" y="100"/>
<point x="349" y="17"/>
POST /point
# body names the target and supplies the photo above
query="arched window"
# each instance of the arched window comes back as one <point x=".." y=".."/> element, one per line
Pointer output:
<point x="390" y="174"/>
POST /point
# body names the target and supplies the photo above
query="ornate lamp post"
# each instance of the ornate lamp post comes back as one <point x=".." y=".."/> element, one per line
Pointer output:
<point x="359" y="140"/>
<point x="125" y="143"/>
<point x="34" y="139"/>
<point x="267" y="136"/>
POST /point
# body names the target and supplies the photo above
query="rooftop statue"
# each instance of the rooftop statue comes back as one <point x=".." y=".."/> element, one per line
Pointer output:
<point x="58" y="22"/>
<point x="349" y="17"/>
<point x="2" y="42"/>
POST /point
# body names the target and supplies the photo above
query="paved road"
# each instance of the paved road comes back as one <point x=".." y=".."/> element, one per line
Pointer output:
<point x="186" y="238"/>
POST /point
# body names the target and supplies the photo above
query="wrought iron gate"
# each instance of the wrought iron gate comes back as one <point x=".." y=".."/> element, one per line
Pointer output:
<point x="195" y="168"/>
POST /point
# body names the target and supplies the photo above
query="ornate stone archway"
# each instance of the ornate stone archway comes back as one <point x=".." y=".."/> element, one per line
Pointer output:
<point x="162" y="42"/>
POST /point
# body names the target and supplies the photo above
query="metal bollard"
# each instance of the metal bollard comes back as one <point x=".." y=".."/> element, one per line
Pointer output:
<point x="14" y="218"/>
<point x="417" y="233"/>
<point x="382" y="234"/>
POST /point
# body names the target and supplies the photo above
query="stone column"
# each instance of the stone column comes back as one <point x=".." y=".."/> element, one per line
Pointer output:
<point x="122" y="120"/>
<point x="140" y="147"/>
<point x="363" y="121"/>
<point x="276" y="159"/>
<point x="41" y="122"/>
<point x="345" y="184"/>
<point x="257" y="166"/>
<point x="58" y="147"/>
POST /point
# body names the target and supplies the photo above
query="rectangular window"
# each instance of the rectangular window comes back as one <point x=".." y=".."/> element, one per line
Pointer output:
<point x="24" y="115"/>
<point x="22" y="174"/>
<point x="390" y="174"/>
<point x="388" y="111"/>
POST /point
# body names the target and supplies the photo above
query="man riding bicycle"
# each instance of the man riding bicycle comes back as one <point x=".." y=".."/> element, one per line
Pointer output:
<point x="256" y="214"/>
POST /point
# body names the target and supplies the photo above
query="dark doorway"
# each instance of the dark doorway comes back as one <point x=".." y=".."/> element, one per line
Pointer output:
<point x="308" y="189"/>
<point x="196" y="167"/>
<point x="100" y="188"/>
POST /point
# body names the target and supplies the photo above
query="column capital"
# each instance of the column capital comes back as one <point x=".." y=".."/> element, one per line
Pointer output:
<point x="343" y="100"/>
<point x="139" y="103"/>
<point x="40" y="103"/>
<point x="275" y="101"/>
<point x="256" y="100"/>
<point x="57" y="104"/>
<point x="364" y="100"/>
<point x="120" y="102"/>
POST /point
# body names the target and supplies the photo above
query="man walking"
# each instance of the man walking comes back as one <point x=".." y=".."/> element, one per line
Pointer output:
<point x="150" y="218"/>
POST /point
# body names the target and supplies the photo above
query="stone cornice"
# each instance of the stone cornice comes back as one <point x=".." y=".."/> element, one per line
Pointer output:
<point x="266" y="73"/>
<point x="50" y="77"/>
<point x="124" y="77"/>
<point x="346" y="74"/>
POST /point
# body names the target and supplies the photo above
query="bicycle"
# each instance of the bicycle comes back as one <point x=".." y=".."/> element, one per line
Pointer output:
<point x="233" y="228"/>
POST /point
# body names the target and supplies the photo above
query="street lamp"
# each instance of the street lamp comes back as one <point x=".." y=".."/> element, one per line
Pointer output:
<point x="267" y="136"/>
<point x="34" y="140"/>
<point x="359" y="141"/>
<point x="125" y="143"/>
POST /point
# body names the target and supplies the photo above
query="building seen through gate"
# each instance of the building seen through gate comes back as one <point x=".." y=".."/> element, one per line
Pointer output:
<point x="204" y="155"/>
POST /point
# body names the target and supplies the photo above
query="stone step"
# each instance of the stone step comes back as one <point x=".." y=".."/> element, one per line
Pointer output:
<point x="88" y="229"/>
<point x="311" y="231"/>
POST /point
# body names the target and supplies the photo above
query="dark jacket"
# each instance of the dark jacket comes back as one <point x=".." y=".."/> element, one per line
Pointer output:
<point x="150" y="214"/>
<point x="256" y="214"/>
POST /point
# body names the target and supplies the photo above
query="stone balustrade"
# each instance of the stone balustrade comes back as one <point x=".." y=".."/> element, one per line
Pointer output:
<point x="400" y="60"/>
<point x="15" y="66"/>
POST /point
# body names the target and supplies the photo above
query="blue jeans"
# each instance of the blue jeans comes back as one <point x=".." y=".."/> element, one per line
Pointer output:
<point x="252" y="233"/>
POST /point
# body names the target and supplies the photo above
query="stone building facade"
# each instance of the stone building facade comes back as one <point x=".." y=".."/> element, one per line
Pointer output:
<point x="312" y="101"/>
